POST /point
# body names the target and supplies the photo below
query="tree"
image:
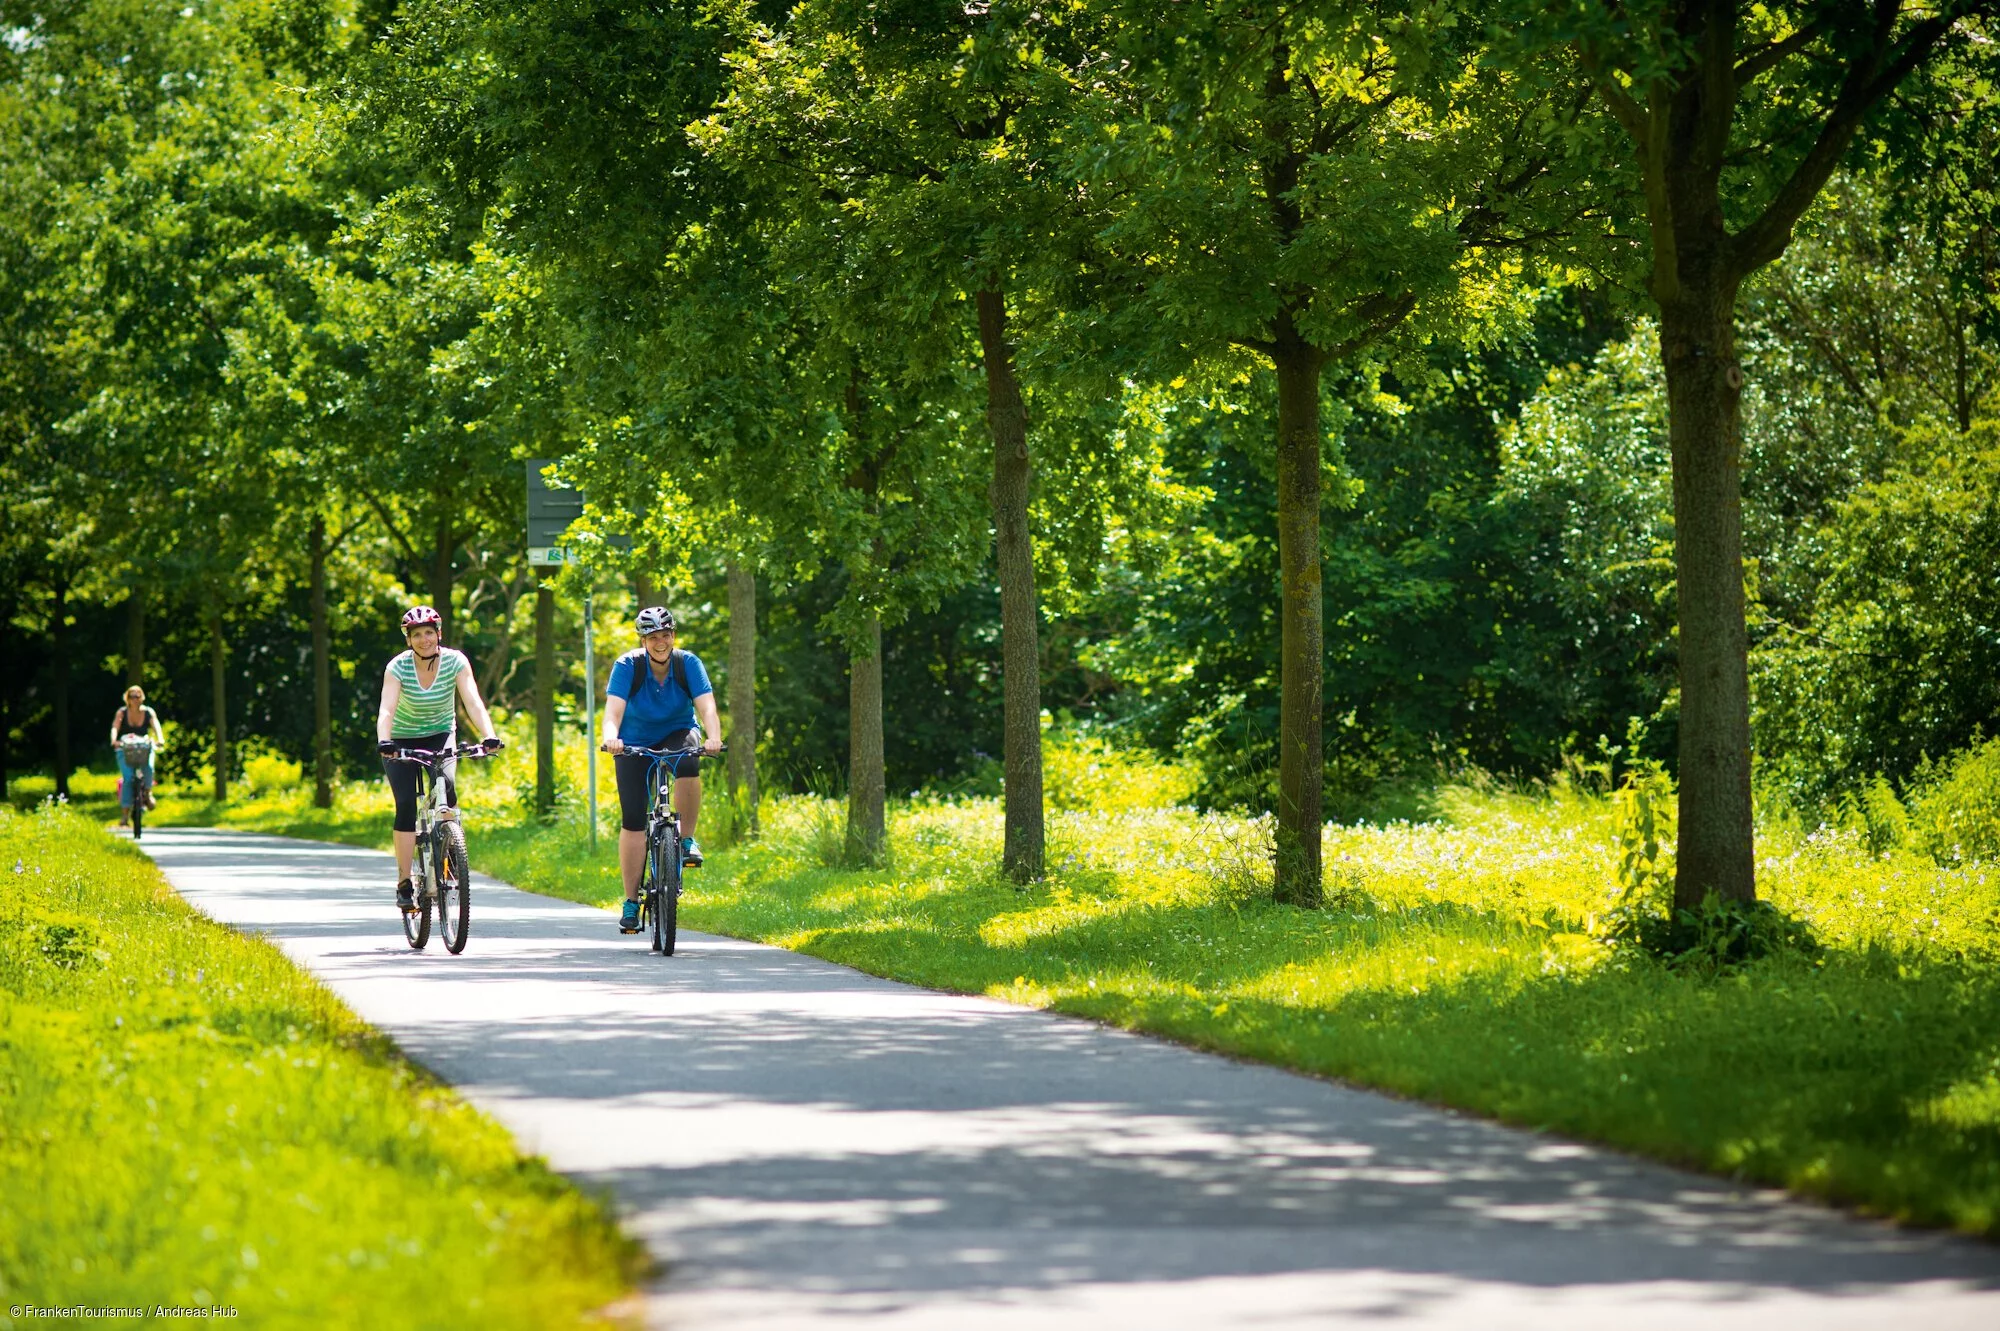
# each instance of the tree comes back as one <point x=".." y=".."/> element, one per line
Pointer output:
<point x="1734" y="117"/>
<point x="923" y="141"/>
<point x="1307" y="188"/>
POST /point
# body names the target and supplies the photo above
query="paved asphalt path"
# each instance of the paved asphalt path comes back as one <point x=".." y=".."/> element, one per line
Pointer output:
<point x="805" y="1145"/>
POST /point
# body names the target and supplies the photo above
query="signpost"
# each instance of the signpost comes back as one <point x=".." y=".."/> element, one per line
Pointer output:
<point x="550" y="512"/>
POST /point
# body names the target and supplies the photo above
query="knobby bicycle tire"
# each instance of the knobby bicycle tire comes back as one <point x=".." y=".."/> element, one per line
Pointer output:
<point x="454" y="894"/>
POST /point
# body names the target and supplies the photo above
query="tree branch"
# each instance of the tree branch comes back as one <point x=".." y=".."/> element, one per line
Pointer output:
<point x="1767" y="57"/>
<point x="1625" y="108"/>
<point x="395" y="533"/>
<point x="1764" y="239"/>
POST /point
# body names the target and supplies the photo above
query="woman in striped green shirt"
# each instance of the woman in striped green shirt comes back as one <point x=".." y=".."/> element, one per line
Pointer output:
<point x="421" y="691"/>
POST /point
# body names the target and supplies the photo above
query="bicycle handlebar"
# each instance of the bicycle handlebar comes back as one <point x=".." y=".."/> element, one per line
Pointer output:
<point x="667" y="753"/>
<point x="435" y="757"/>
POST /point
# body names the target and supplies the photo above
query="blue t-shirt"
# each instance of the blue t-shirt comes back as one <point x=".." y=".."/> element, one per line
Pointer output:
<point x="657" y="709"/>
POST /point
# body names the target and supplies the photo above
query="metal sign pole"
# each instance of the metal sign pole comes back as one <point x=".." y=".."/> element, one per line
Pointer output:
<point x="590" y="720"/>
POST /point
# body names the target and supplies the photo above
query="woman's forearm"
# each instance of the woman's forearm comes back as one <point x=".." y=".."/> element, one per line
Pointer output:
<point x="385" y="715"/>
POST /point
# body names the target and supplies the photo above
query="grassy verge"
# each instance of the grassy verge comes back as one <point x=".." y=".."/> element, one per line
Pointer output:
<point x="186" y="1117"/>
<point x="1456" y="962"/>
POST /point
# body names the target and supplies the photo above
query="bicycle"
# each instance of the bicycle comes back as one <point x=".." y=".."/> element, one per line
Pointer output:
<point x="137" y="751"/>
<point x="438" y="871"/>
<point x="660" y="874"/>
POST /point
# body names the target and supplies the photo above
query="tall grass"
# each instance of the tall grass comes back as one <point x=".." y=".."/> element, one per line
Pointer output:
<point x="189" y="1119"/>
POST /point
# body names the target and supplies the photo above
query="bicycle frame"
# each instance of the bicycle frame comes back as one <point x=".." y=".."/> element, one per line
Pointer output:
<point x="432" y="812"/>
<point x="137" y="751"/>
<point x="657" y="899"/>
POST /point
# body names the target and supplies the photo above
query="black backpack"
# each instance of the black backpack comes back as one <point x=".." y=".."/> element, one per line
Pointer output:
<point x="642" y="669"/>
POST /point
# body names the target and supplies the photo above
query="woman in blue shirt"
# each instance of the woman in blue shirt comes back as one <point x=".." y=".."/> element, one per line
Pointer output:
<point x="651" y="701"/>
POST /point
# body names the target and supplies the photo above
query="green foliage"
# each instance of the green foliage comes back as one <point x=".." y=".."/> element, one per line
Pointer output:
<point x="1085" y="771"/>
<point x="265" y="771"/>
<point x="1645" y="809"/>
<point x="190" y="1119"/>
<point x="1955" y="811"/>
<point x="1897" y="657"/>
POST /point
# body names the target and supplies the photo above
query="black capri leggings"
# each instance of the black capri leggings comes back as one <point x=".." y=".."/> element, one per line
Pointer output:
<point x="403" y="777"/>
<point x="632" y="769"/>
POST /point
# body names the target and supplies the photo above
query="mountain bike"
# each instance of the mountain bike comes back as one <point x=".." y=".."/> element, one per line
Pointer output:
<point x="137" y="751"/>
<point x="660" y="875"/>
<point x="438" y="871"/>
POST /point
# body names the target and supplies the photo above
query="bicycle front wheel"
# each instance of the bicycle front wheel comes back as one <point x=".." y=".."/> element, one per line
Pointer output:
<point x="670" y="894"/>
<point x="454" y="896"/>
<point x="138" y="809"/>
<point x="650" y="894"/>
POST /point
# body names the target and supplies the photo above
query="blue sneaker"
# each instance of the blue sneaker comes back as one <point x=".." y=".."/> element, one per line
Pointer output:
<point x="690" y="853"/>
<point x="628" y="923"/>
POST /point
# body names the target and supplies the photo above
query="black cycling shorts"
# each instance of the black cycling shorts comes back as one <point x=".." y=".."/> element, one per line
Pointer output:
<point x="403" y="777"/>
<point x="635" y="770"/>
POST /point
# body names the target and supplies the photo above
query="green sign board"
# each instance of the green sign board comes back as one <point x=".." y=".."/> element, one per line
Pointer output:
<point x="550" y="511"/>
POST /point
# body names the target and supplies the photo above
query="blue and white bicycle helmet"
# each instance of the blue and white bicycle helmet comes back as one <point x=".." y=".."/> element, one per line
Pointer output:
<point x="654" y="619"/>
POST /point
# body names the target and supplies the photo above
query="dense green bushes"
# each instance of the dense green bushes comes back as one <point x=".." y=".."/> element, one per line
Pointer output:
<point x="1957" y="812"/>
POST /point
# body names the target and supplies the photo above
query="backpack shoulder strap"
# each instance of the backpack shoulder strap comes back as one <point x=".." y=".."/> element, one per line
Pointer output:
<point x="677" y="669"/>
<point x="639" y="669"/>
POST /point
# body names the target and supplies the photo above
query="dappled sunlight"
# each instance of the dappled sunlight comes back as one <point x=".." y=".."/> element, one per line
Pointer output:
<point x="1462" y="960"/>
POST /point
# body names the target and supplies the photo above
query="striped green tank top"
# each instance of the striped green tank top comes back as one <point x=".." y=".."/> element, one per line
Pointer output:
<point x="421" y="711"/>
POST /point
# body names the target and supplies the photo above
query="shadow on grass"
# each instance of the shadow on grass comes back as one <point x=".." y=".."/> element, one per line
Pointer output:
<point x="1867" y="1077"/>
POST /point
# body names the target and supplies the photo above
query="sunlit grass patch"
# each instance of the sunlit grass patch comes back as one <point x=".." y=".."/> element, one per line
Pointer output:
<point x="1460" y="961"/>
<point x="188" y="1118"/>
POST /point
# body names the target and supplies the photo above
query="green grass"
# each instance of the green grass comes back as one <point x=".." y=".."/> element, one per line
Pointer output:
<point x="1460" y="960"/>
<point x="186" y="1117"/>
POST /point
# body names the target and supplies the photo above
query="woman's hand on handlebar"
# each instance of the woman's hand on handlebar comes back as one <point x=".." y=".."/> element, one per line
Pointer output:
<point x="613" y="745"/>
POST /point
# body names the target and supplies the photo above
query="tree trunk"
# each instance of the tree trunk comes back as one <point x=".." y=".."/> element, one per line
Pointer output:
<point x="1301" y="766"/>
<point x="135" y="637"/>
<point x="6" y="690"/>
<point x="440" y="577"/>
<point x="545" y="696"/>
<point x="59" y="637"/>
<point x="218" y="661"/>
<point x="322" y="650"/>
<point x="743" y="694"/>
<point x="642" y="591"/>
<point x="1716" y="851"/>
<point x="867" y="785"/>
<point x="1020" y="646"/>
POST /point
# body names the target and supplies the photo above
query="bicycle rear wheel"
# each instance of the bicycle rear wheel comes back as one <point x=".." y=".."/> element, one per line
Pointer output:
<point x="417" y="923"/>
<point x="454" y="895"/>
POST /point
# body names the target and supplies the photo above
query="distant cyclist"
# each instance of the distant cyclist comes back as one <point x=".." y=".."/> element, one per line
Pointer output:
<point x="135" y="718"/>
<point x="652" y="699"/>
<point x="419" y="692"/>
